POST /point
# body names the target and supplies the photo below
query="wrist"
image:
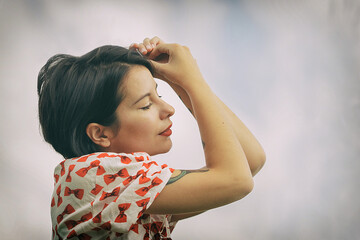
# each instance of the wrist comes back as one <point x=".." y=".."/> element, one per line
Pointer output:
<point x="195" y="84"/>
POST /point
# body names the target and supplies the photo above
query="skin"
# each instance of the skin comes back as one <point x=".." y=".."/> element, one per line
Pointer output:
<point x="252" y="148"/>
<point x="141" y="117"/>
<point x="142" y="120"/>
<point x="232" y="154"/>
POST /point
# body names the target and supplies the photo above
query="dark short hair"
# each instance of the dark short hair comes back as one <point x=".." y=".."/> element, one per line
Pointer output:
<point x="75" y="91"/>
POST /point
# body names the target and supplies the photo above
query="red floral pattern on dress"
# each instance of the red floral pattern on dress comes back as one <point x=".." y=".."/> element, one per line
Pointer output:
<point x="105" y="195"/>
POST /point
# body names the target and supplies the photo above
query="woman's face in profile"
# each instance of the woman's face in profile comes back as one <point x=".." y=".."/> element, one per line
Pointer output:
<point x="143" y="117"/>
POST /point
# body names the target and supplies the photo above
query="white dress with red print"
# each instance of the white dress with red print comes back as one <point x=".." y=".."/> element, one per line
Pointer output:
<point x="104" y="196"/>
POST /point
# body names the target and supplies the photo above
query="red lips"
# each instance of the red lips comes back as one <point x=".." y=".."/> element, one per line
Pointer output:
<point x="167" y="132"/>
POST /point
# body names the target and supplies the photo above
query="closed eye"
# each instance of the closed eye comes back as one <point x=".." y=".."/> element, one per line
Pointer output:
<point x="146" y="107"/>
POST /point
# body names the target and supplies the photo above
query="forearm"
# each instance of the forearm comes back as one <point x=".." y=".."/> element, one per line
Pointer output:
<point x="252" y="148"/>
<point x="227" y="177"/>
<point x="223" y="151"/>
<point x="183" y="96"/>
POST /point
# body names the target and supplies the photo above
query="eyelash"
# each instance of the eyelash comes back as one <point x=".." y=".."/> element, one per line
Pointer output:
<point x="148" y="106"/>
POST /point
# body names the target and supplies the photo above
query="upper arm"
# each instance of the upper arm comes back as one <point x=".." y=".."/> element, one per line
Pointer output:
<point x="191" y="191"/>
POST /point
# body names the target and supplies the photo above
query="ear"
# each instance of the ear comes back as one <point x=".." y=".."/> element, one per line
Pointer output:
<point x="99" y="134"/>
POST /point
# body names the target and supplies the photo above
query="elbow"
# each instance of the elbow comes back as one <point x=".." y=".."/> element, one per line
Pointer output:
<point x="248" y="186"/>
<point x="260" y="161"/>
<point x="244" y="186"/>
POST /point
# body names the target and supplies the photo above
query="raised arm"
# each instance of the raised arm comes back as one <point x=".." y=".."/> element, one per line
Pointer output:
<point x="252" y="148"/>
<point x="227" y="176"/>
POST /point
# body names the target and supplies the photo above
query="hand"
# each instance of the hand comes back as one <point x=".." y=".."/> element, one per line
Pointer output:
<point x="172" y="62"/>
<point x="147" y="45"/>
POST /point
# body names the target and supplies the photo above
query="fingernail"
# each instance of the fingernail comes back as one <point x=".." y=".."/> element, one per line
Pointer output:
<point x="153" y="45"/>
<point x="148" y="47"/>
<point x="143" y="50"/>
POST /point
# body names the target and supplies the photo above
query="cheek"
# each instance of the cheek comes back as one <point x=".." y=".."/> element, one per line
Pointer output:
<point x="139" y="127"/>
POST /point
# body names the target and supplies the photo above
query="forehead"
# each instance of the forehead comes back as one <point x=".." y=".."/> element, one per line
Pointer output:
<point x="138" y="81"/>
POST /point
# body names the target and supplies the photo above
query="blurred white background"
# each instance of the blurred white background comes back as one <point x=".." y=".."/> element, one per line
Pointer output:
<point x="289" y="69"/>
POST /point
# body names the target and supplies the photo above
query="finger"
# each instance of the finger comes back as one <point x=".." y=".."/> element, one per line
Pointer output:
<point x="156" y="41"/>
<point x="147" y="44"/>
<point x="142" y="48"/>
<point x="158" y="67"/>
<point x="160" y="49"/>
<point x="138" y="46"/>
<point x="134" y="46"/>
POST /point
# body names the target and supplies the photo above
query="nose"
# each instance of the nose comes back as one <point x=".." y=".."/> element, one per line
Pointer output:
<point x="166" y="110"/>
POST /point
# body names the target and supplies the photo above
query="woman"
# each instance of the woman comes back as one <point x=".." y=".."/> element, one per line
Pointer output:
<point x="101" y="111"/>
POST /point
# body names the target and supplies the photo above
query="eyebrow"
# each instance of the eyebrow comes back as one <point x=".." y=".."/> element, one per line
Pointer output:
<point x="144" y="96"/>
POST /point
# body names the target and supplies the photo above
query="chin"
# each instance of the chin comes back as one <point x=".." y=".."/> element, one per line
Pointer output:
<point x="165" y="149"/>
